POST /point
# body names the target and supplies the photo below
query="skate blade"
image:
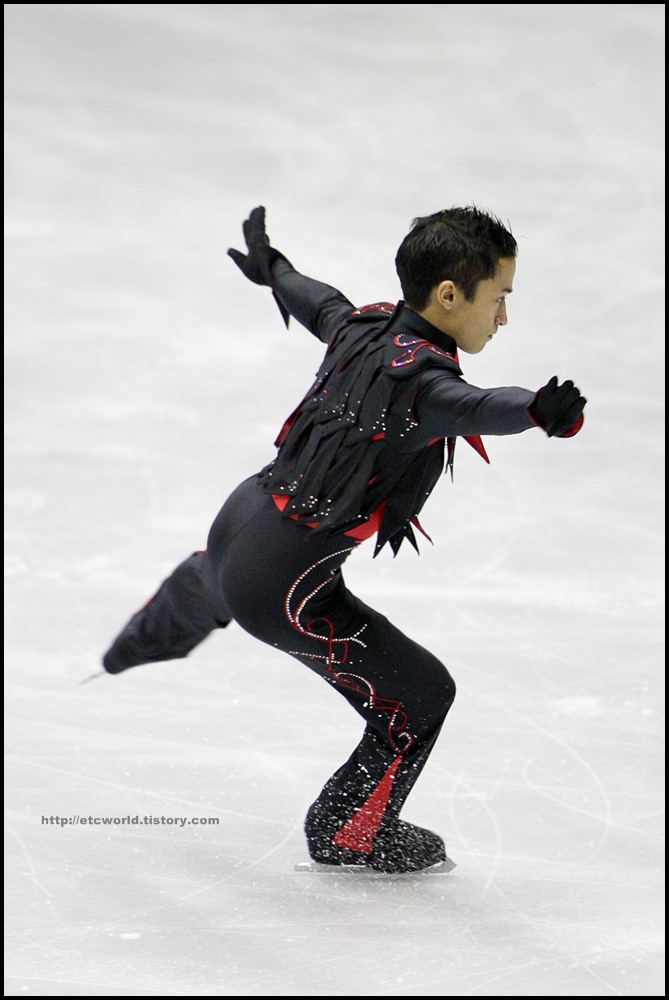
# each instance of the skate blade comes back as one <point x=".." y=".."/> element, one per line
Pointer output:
<point x="315" y="867"/>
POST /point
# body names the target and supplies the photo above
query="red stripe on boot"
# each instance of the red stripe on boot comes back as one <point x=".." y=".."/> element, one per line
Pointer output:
<point x="359" y="832"/>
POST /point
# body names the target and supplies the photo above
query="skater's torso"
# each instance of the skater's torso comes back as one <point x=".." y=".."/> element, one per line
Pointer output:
<point x="366" y="446"/>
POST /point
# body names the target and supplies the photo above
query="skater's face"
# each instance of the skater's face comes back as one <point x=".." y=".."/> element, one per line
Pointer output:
<point x="472" y="323"/>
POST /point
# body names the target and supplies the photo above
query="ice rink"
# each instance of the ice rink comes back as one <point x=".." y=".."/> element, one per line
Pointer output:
<point x="145" y="378"/>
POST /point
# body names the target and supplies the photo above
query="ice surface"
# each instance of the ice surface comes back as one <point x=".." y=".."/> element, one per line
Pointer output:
<point x="141" y="387"/>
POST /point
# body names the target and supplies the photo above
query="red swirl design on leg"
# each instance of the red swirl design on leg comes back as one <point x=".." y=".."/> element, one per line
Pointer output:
<point x="336" y="654"/>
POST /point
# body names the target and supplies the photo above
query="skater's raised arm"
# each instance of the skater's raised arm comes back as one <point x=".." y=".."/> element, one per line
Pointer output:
<point x="317" y="306"/>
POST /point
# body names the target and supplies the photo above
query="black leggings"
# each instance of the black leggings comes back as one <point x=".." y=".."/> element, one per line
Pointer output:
<point x="286" y="588"/>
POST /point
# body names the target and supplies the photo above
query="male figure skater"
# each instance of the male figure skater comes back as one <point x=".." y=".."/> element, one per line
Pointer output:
<point x="358" y="457"/>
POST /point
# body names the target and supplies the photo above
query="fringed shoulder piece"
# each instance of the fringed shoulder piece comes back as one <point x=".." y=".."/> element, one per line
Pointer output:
<point x="340" y="451"/>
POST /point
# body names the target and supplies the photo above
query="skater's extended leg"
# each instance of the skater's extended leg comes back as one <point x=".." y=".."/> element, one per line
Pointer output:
<point x="185" y="609"/>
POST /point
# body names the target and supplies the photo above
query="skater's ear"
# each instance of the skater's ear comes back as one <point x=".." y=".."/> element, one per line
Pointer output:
<point x="445" y="294"/>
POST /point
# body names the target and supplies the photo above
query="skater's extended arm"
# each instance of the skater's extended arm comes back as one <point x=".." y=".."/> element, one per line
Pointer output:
<point x="448" y="406"/>
<point x="317" y="306"/>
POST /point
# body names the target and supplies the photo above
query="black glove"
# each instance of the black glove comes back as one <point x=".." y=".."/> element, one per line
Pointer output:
<point x="558" y="409"/>
<point x="257" y="264"/>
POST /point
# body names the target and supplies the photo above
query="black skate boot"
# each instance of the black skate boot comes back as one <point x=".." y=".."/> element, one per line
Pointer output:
<point x="130" y="648"/>
<point x="152" y="637"/>
<point x="184" y="610"/>
<point x="398" y="847"/>
<point x="404" y="847"/>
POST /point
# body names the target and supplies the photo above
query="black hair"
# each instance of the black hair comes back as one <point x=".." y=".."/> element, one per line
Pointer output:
<point x="460" y="244"/>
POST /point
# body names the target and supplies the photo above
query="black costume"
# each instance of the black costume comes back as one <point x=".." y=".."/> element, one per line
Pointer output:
<point x="359" y="456"/>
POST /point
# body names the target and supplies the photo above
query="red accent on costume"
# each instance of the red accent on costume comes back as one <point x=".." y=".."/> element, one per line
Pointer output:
<point x="360" y="533"/>
<point x="384" y="307"/>
<point x="574" y="429"/>
<point x="282" y="502"/>
<point x="477" y="444"/>
<point x="368" y="527"/>
<point x="416" y="523"/>
<point x="359" y="832"/>
<point x="411" y="349"/>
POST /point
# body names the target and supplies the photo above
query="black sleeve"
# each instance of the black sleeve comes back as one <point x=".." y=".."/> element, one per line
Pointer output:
<point x="319" y="307"/>
<point x="448" y="406"/>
